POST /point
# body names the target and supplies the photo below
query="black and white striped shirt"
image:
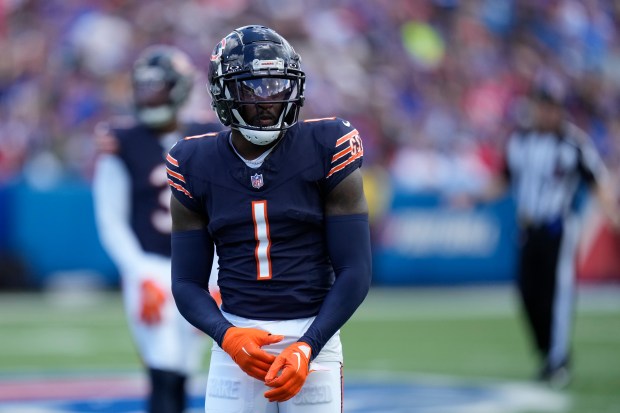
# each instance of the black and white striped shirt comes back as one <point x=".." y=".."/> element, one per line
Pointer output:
<point x="545" y="170"/>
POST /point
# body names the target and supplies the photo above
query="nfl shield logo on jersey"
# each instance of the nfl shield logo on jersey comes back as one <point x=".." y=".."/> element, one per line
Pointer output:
<point x="257" y="180"/>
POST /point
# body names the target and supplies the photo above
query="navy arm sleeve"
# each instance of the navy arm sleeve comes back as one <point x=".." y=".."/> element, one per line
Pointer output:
<point x="348" y="245"/>
<point x="192" y="257"/>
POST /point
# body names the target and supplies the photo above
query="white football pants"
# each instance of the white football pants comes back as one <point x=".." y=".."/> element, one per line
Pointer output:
<point x="172" y="344"/>
<point x="230" y="390"/>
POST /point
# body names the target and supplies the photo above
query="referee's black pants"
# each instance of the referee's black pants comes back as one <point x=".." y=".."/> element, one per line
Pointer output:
<point x="546" y="287"/>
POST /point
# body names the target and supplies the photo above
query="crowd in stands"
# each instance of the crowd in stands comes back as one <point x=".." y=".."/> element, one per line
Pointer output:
<point x="434" y="86"/>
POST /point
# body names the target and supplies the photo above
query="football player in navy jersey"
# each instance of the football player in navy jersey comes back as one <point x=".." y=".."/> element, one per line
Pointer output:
<point x="283" y="202"/>
<point x="132" y="208"/>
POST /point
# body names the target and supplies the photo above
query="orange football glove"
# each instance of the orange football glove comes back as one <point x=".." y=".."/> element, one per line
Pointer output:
<point x="294" y="363"/>
<point x="244" y="346"/>
<point x="153" y="299"/>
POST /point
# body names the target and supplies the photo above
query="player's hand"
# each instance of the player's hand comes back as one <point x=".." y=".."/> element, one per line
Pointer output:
<point x="216" y="295"/>
<point x="244" y="346"/>
<point x="153" y="298"/>
<point x="293" y="363"/>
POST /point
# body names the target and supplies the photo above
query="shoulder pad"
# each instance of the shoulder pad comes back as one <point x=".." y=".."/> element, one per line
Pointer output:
<point x="330" y="129"/>
<point x="106" y="141"/>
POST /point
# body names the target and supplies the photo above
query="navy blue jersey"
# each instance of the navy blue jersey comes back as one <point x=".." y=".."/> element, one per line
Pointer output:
<point x="142" y="153"/>
<point x="268" y="223"/>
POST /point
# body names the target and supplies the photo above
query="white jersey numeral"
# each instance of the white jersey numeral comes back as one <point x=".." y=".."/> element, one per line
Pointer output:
<point x="263" y="240"/>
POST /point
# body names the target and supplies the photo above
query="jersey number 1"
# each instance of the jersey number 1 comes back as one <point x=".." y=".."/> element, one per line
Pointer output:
<point x="263" y="240"/>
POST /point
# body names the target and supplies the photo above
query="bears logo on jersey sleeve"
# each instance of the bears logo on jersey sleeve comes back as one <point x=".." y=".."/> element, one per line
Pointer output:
<point x="349" y="149"/>
<point x="344" y="146"/>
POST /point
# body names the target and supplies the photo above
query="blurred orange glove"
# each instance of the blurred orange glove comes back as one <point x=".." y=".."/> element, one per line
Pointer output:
<point x="294" y="363"/>
<point x="244" y="346"/>
<point x="217" y="296"/>
<point x="153" y="298"/>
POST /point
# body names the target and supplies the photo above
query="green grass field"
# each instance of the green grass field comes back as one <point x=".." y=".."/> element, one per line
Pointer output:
<point x="467" y="333"/>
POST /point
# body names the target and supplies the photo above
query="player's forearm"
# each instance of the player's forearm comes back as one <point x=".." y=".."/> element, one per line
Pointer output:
<point x="348" y="244"/>
<point x="121" y="245"/>
<point x="192" y="257"/>
<point x="111" y="196"/>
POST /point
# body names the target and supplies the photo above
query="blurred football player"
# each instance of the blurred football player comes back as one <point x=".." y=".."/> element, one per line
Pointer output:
<point x="284" y="204"/>
<point x="131" y="198"/>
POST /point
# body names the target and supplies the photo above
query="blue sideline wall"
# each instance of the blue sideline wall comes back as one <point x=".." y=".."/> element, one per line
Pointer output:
<point x="424" y="240"/>
<point x="418" y="242"/>
<point x="52" y="231"/>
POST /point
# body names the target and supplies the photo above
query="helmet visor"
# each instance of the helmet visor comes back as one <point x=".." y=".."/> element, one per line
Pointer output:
<point x="267" y="89"/>
<point x="150" y="87"/>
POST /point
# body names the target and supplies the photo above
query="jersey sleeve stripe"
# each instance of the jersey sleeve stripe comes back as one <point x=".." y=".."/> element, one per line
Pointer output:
<point x="176" y="175"/>
<point x="343" y="165"/>
<point x="346" y="137"/>
<point x="179" y="188"/>
<point x="319" y="119"/>
<point x="341" y="154"/>
<point x="172" y="160"/>
<point x="204" y="135"/>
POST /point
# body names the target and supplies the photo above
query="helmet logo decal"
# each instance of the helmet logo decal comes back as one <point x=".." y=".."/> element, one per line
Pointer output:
<point x="218" y="50"/>
<point x="257" y="180"/>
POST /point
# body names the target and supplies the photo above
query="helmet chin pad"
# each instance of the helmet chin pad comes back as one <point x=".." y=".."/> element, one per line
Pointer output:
<point x="157" y="116"/>
<point x="259" y="137"/>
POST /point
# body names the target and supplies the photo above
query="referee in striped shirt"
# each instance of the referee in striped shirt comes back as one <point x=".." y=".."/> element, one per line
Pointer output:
<point x="545" y="165"/>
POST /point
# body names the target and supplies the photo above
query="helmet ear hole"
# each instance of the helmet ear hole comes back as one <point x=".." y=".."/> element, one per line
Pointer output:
<point x="224" y="116"/>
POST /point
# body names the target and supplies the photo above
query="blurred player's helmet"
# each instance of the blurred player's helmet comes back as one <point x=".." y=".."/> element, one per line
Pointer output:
<point x="255" y="66"/>
<point x="162" y="79"/>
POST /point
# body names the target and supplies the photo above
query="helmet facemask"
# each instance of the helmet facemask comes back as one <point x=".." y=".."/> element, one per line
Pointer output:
<point x="154" y="107"/>
<point x="262" y="107"/>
